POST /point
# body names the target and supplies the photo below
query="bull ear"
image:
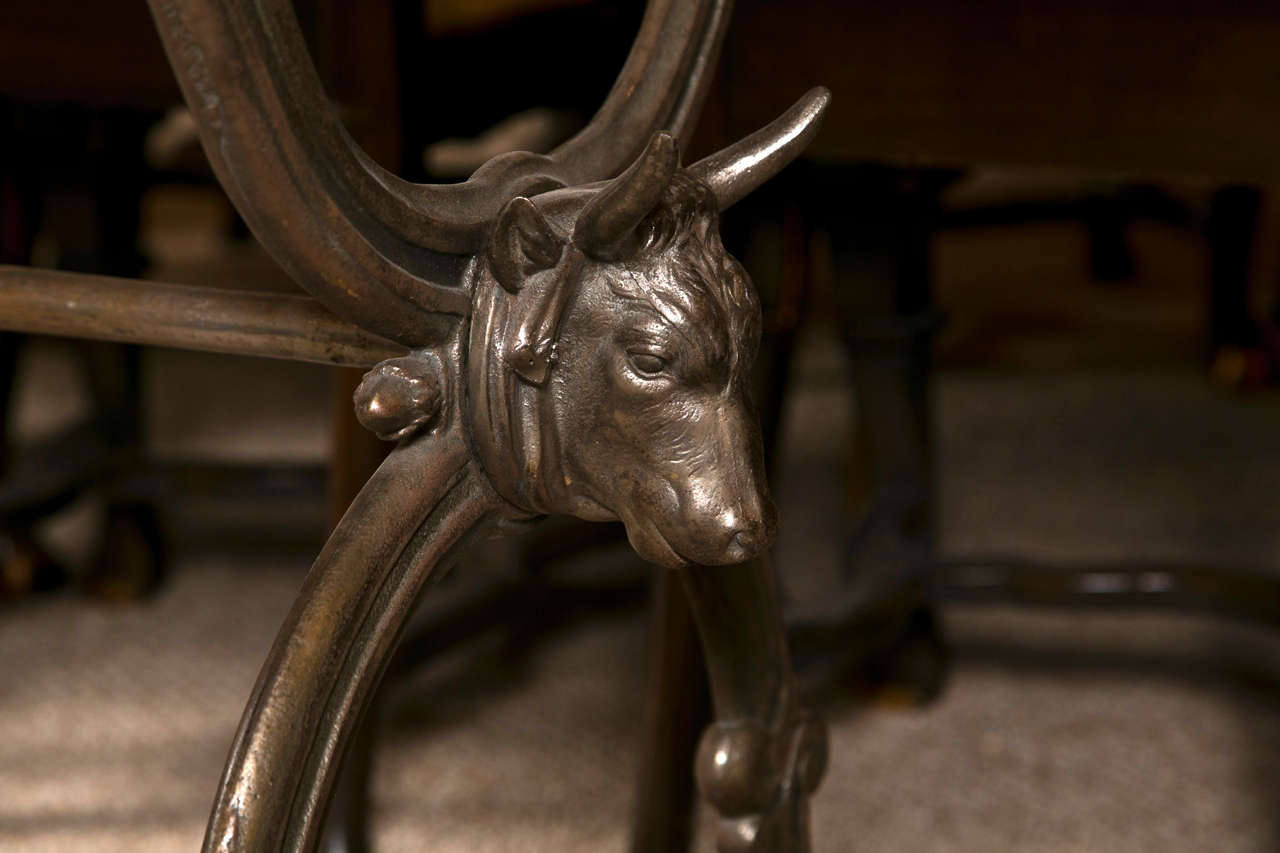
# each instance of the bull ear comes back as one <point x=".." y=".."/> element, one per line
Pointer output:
<point x="523" y="243"/>
<point x="605" y="227"/>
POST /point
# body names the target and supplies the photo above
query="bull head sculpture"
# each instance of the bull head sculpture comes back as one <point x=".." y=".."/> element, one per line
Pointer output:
<point x="608" y="359"/>
<point x="579" y="343"/>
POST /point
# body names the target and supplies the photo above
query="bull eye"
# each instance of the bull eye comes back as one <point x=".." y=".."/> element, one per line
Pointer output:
<point x="647" y="364"/>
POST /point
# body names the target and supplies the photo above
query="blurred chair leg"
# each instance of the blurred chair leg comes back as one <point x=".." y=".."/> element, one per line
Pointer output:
<point x="1234" y="338"/>
<point x="130" y="558"/>
<point x="880" y="256"/>
<point x="1107" y="218"/>
<point x="24" y="565"/>
<point x="676" y="709"/>
<point x="881" y="271"/>
<point x="9" y="343"/>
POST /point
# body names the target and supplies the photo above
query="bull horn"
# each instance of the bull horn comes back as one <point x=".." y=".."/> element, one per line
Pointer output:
<point x="737" y="170"/>
<point x="604" y="226"/>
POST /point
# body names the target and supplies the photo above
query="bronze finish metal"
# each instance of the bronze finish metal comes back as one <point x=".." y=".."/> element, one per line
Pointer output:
<point x="760" y="760"/>
<point x="271" y="325"/>
<point x="384" y="252"/>
<point x="579" y="343"/>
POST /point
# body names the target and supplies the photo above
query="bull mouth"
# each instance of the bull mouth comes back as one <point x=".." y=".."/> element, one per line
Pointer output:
<point x="650" y="543"/>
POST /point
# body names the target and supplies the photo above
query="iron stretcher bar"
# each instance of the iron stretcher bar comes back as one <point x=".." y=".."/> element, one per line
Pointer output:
<point x="239" y="322"/>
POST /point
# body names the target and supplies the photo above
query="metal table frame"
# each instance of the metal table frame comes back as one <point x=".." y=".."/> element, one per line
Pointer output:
<point x="458" y="293"/>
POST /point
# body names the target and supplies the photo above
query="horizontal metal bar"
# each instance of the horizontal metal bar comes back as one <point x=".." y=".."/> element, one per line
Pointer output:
<point x="1241" y="592"/>
<point x="240" y="322"/>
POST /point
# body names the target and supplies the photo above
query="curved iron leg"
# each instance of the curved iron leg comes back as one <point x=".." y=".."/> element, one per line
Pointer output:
<point x="424" y="502"/>
<point x="760" y="760"/>
<point x="347" y="827"/>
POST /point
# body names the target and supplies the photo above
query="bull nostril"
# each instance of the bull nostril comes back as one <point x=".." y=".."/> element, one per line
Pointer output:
<point x="745" y="535"/>
<point x="746" y="542"/>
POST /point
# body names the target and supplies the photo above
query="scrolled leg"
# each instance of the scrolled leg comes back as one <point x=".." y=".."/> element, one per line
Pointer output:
<point x="758" y="764"/>
<point x="425" y="501"/>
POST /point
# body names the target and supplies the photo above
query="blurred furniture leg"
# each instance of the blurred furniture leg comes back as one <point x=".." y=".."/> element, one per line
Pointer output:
<point x="1235" y="344"/>
<point x="14" y="248"/>
<point x="1107" y="220"/>
<point x="8" y="367"/>
<point x="880" y="261"/>
<point x="1232" y="227"/>
<point x="130" y="559"/>
<point x="104" y="450"/>
<point x="130" y="556"/>
<point x="880" y="222"/>
<point x="24" y="565"/>
<point x="676" y="709"/>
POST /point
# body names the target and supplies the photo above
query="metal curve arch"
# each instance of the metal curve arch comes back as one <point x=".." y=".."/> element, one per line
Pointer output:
<point x="378" y="250"/>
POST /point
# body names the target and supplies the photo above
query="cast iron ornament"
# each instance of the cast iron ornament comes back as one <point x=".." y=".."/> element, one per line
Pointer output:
<point x="580" y="343"/>
<point x="608" y="361"/>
